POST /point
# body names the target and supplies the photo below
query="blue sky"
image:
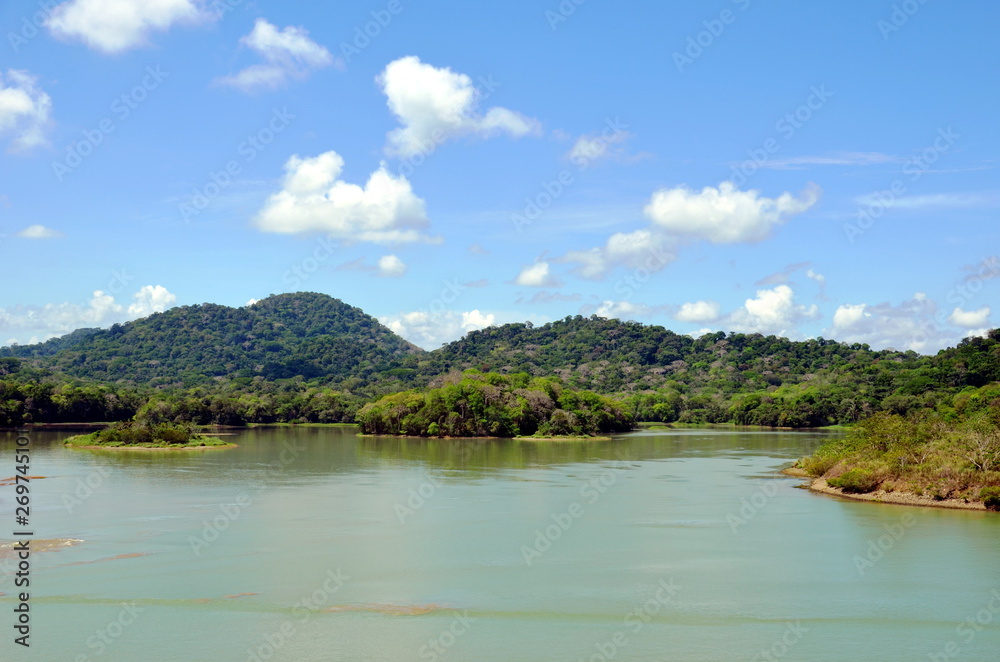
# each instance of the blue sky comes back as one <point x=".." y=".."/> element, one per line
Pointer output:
<point x="801" y="169"/>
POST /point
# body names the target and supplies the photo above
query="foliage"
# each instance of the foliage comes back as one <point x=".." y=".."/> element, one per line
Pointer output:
<point x="855" y="481"/>
<point x="474" y="404"/>
<point x="143" y="434"/>
<point x="990" y="497"/>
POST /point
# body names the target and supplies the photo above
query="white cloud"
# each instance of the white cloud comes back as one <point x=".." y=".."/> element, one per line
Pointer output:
<point x="936" y="201"/>
<point x="289" y="53"/>
<point x="589" y="149"/>
<point x="431" y="330"/>
<point x="973" y="319"/>
<point x="640" y="250"/>
<point x="724" y="215"/>
<point x="31" y="324"/>
<point x="25" y="110"/>
<point x="773" y="312"/>
<point x="916" y="325"/>
<point x="625" y="310"/>
<point x="700" y="312"/>
<point x="113" y="26"/>
<point x="434" y="105"/>
<point x="537" y="275"/>
<point x="38" y="232"/>
<point x="391" y="266"/>
<point x="151" y="299"/>
<point x="841" y="159"/>
<point x="315" y="199"/>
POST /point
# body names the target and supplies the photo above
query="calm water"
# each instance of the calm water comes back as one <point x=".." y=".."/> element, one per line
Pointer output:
<point x="314" y="544"/>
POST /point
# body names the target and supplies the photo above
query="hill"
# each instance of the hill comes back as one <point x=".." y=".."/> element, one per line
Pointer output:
<point x="310" y="357"/>
<point x="305" y="334"/>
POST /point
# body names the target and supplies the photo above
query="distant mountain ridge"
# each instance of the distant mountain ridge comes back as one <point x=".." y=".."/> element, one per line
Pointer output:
<point x="317" y="338"/>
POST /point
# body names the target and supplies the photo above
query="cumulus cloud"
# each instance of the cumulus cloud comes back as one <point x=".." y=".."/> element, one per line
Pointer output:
<point x="434" y="105"/>
<point x="431" y="330"/>
<point x="288" y="53"/>
<point x="916" y="324"/>
<point x="314" y="199"/>
<point x="700" y="312"/>
<point x="641" y="249"/>
<point x="589" y="149"/>
<point x="114" y="26"/>
<point x="972" y="319"/>
<point x="772" y="312"/>
<point x="151" y="299"/>
<point x="38" y="232"/>
<point x="624" y="310"/>
<point x="537" y="275"/>
<point x="724" y="215"/>
<point x="25" y="110"/>
<point x="31" y="324"/>
<point x="391" y="266"/>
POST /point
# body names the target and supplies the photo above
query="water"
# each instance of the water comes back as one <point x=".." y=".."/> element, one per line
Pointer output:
<point x="680" y="545"/>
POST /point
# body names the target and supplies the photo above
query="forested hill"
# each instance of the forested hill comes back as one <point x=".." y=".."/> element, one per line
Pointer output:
<point x="286" y="335"/>
<point x="310" y="357"/>
<point x="611" y="355"/>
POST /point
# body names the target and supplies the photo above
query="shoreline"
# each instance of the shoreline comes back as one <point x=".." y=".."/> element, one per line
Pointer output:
<point x="527" y="438"/>
<point x="820" y="486"/>
<point x="154" y="448"/>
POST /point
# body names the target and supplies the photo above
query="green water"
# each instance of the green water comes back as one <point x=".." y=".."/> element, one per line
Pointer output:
<point x="672" y="545"/>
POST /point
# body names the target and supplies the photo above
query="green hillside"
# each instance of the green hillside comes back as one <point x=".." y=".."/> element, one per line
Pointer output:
<point x="287" y="335"/>
<point x="310" y="357"/>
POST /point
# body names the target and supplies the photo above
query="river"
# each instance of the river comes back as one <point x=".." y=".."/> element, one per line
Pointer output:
<point x="316" y="544"/>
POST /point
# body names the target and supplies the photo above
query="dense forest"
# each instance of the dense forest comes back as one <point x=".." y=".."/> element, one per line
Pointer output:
<point x="311" y="358"/>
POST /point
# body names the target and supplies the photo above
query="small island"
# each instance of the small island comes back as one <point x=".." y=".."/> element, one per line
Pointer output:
<point x="478" y="404"/>
<point x="919" y="459"/>
<point x="133" y="435"/>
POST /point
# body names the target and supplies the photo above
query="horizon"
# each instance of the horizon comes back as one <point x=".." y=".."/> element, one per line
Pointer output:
<point x="675" y="166"/>
<point x="530" y="324"/>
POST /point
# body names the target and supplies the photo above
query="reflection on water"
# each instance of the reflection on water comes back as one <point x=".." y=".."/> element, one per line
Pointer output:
<point x="327" y="546"/>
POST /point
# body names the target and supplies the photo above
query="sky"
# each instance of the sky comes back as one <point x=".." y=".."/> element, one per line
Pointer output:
<point x="799" y="169"/>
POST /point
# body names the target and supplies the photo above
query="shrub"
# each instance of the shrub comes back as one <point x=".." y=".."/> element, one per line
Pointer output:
<point x="855" y="481"/>
<point x="818" y="464"/>
<point x="991" y="498"/>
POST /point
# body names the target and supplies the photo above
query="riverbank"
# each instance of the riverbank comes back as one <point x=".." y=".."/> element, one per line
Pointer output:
<point x="820" y="486"/>
<point x="527" y="438"/>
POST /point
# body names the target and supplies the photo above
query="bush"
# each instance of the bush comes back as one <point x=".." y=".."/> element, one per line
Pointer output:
<point x="855" y="481"/>
<point x="991" y="498"/>
<point x="818" y="464"/>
